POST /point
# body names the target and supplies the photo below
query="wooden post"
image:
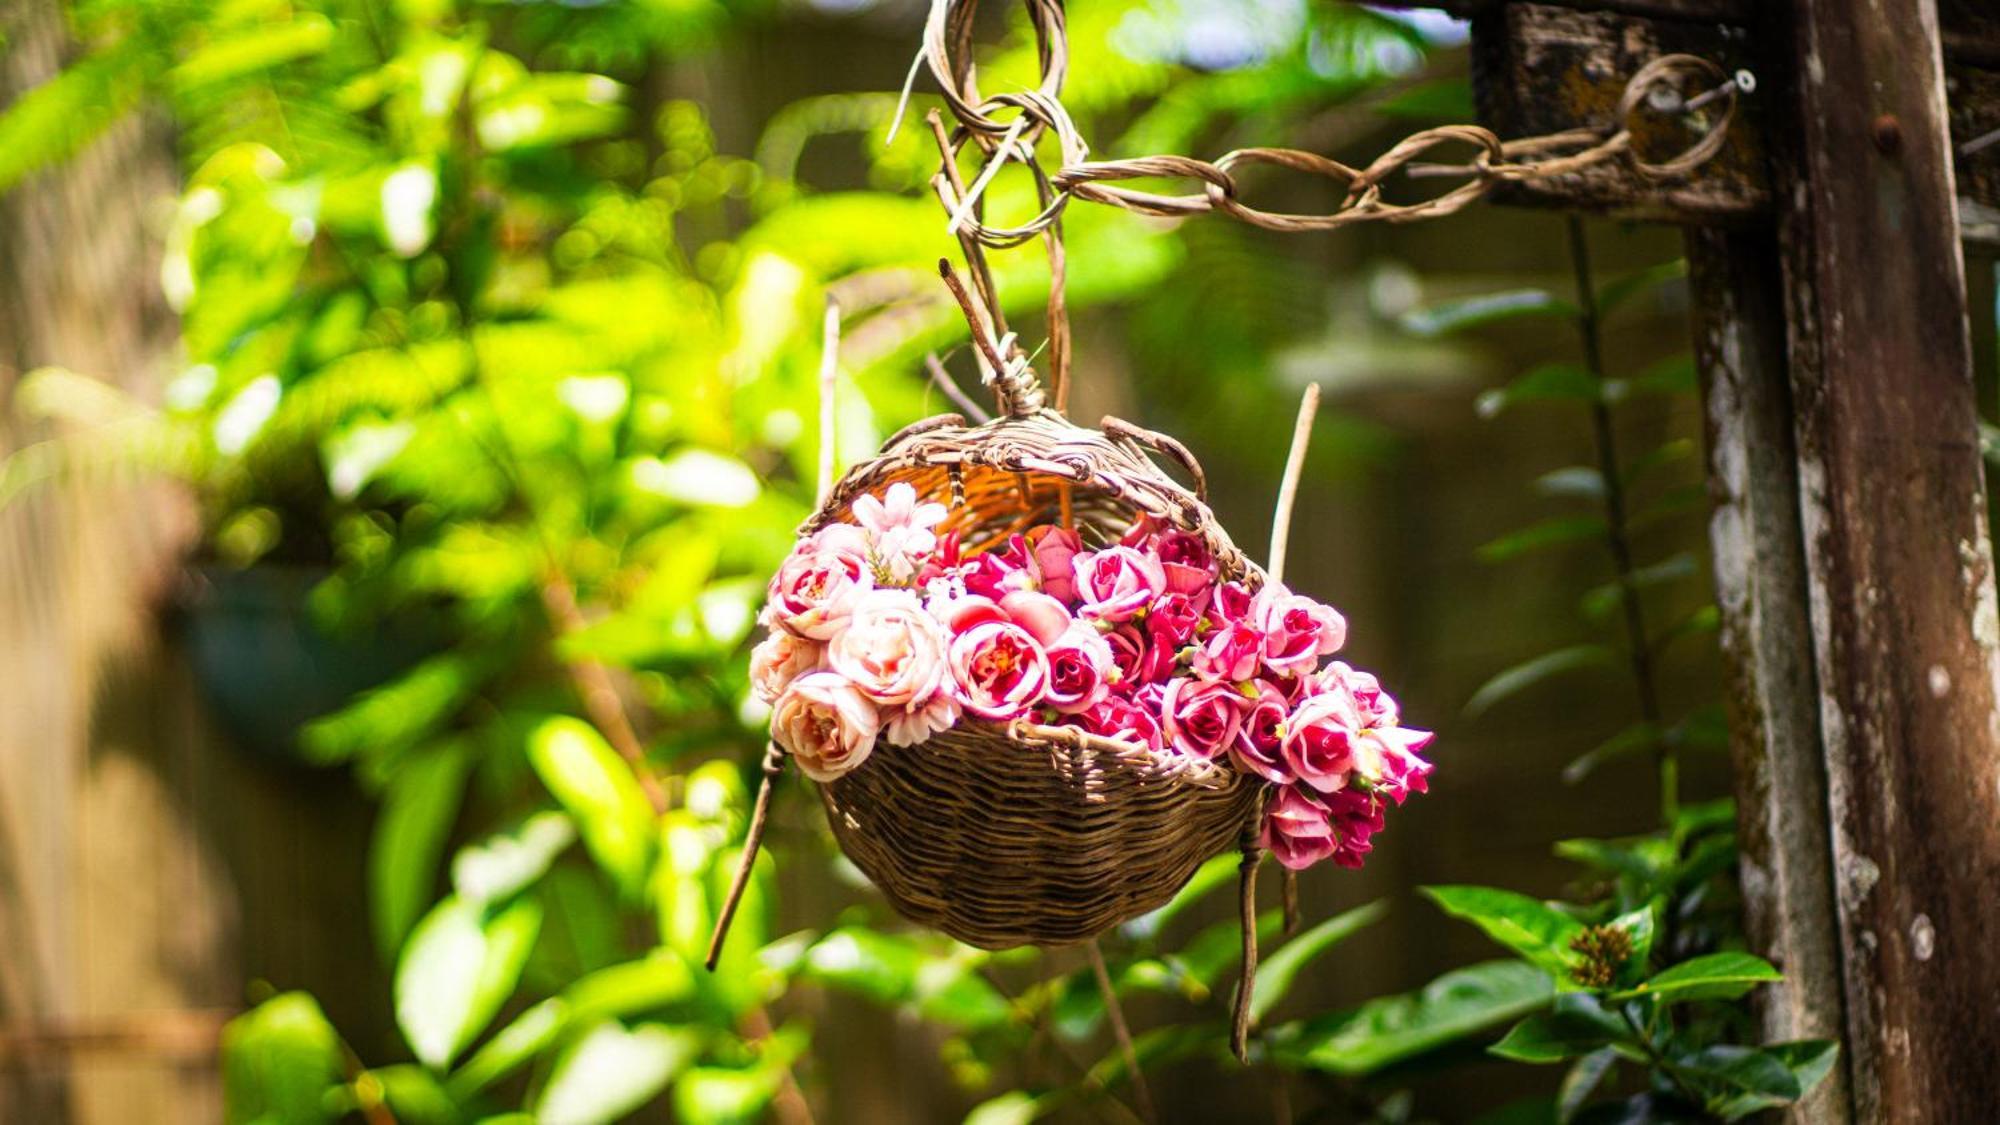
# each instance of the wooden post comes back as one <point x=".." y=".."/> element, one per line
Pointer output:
<point x="1852" y="553"/>
<point x="1898" y="558"/>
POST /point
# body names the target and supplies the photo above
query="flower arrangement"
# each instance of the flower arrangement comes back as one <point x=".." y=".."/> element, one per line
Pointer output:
<point x="885" y="630"/>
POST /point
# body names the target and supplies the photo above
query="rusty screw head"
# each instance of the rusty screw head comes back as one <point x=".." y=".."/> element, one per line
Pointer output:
<point x="1888" y="134"/>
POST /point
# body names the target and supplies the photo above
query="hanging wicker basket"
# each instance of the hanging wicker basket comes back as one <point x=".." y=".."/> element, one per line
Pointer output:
<point x="1007" y="834"/>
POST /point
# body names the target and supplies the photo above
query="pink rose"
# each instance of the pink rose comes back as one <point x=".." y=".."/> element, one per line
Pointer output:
<point x="1116" y="583"/>
<point x="1176" y="618"/>
<point x="1080" y="665"/>
<point x="1123" y="719"/>
<point x="826" y="724"/>
<point x="998" y="669"/>
<point x="814" y="591"/>
<point x="778" y="660"/>
<point x="901" y="529"/>
<point x="1201" y="717"/>
<point x="1128" y="646"/>
<point x="891" y="649"/>
<point x="1385" y="754"/>
<point x="1297" y="630"/>
<point x="1355" y="817"/>
<point x="1231" y="602"/>
<point x="1319" y="740"/>
<point x="1297" y="828"/>
<point x="1185" y="558"/>
<point x="844" y="540"/>
<point x="1000" y="571"/>
<point x="1231" y="653"/>
<point x="1259" y="745"/>
<point x="1054" y="550"/>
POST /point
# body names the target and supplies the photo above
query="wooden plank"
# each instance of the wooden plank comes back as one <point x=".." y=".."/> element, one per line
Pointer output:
<point x="1543" y="68"/>
<point x="1899" y="563"/>
<point x="1772" y="694"/>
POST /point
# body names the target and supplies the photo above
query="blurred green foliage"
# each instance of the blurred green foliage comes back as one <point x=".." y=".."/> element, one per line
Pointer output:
<point x="487" y="334"/>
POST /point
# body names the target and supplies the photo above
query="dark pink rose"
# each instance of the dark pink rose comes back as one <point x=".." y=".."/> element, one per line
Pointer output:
<point x="1187" y="561"/>
<point x="1231" y="653"/>
<point x="1176" y="618"/>
<point x="1079" y="669"/>
<point x="1128" y="644"/>
<point x="1356" y="817"/>
<point x="1259" y="745"/>
<point x="1297" y="630"/>
<point x="1320" y="739"/>
<point x="1053" y="551"/>
<point x="1116" y="583"/>
<point x="1201" y="717"/>
<point x="1231" y="602"/>
<point x="1385" y="755"/>
<point x="1115" y="717"/>
<point x="1000" y="571"/>
<point x="1297" y="828"/>
<point x="1151" y="697"/>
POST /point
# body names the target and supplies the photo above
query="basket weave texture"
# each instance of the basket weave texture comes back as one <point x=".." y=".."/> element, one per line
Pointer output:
<point x="1007" y="834"/>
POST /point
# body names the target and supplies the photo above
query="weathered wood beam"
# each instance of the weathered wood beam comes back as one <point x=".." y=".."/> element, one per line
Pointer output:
<point x="1906" y="639"/>
<point x="1772" y="696"/>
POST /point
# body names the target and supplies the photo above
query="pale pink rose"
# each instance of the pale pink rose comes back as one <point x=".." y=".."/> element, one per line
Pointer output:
<point x="1080" y="665"/>
<point x="1053" y="550"/>
<point x="891" y="649"/>
<point x="1259" y="745"/>
<point x="1116" y="583"/>
<point x="1201" y="717"/>
<point x="1231" y="653"/>
<point x="825" y="724"/>
<point x="842" y="539"/>
<point x="1122" y="719"/>
<point x="1297" y="828"/>
<point x="901" y="528"/>
<point x="1045" y="618"/>
<point x="998" y="669"/>
<point x="1297" y="630"/>
<point x="1320" y="739"/>
<point x="814" y="591"/>
<point x="908" y="726"/>
<point x="1186" y="560"/>
<point x="778" y="660"/>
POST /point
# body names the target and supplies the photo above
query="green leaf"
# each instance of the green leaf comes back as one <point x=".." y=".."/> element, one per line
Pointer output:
<point x="1635" y="739"/>
<point x="58" y="118"/>
<point x="528" y="1035"/>
<point x="1714" y="976"/>
<point x="1215" y="873"/>
<point x="713" y="1095"/>
<point x="1390" y="1029"/>
<point x="1578" y="481"/>
<point x="1015" y="1107"/>
<point x="1556" y="531"/>
<point x="1535" y="930"/>
<point x="415" y="1097"/>
<point x="1664" y="454"/>
<point x="1528" y="673"/>
<point x="1551" y="382"/>
<point x="659" y="979"/>
<point x="602" y="796"/>
<point x="1603" y="600"/>
<point x="506" y="863"/>
<point x="263" y="46"/>
<point x="609" y="1072"/>
<point x="1808" y="1061"/>
<point x="279" y="1060"/>
<point x="1576" y="1024"/>
<point x="880" y="966"/>
<point x="1620" y="290"/>
<point x="1645" y="858"/>
<point x="1581" y="1081"/>
<point x="418" y="808"/>
<point x="1729" y="1072"/>
<point x="1276" y="974"/>
<point x="458" y="968"/>
<point x="1489" y="308"/>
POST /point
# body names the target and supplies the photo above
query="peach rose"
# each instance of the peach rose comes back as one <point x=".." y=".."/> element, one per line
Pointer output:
<point x="814" y="591"/>
<point x="778" y="660"/>
<point x="826" y="724"/>
<point x="891" y="649"/>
